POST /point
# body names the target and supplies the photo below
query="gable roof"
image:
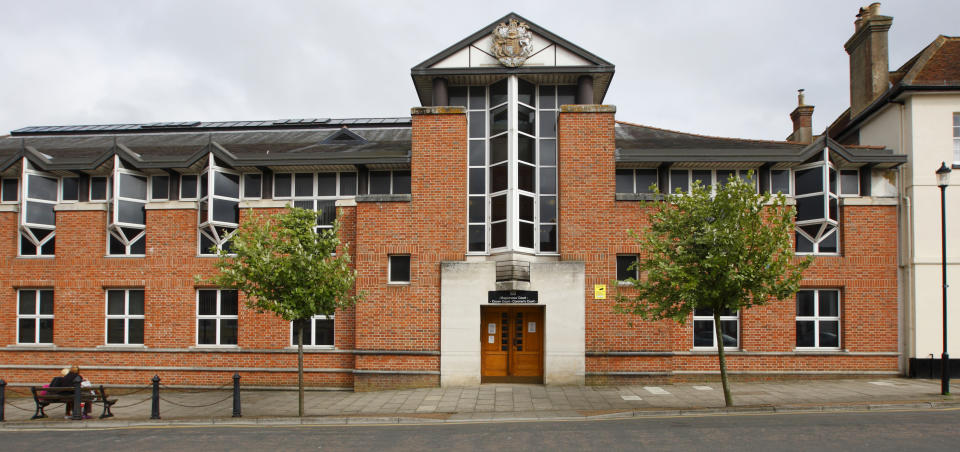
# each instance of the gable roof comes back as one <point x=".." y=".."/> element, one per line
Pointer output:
<point x="559" y="73"/>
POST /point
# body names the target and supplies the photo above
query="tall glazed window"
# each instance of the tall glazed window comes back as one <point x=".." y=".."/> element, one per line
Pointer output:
<point x="815" y="185"/>
<point x="37" y="218"/>
<point x="219" y="212"/>
<point x="128" y="217"/>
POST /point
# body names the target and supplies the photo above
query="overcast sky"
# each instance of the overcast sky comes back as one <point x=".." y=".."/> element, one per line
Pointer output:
<point x="711" y="67"/>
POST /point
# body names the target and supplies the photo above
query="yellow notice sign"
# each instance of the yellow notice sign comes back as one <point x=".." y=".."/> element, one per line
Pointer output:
<point x="600" y="291"/>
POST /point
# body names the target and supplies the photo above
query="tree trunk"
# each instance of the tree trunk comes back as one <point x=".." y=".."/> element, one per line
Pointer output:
<point x="300" y="366"/>
<point x="718" y="330"/>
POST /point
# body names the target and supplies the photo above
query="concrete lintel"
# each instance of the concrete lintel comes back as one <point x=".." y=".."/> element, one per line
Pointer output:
<point x="80" y="206"/>
<point x="868" y="201"/>
<point x="437" y="110"/>
<point x="384" y="198"/>
<point x="594" y="108"/>
<point x="264" y="203"/>
<point x="171" y="205"/>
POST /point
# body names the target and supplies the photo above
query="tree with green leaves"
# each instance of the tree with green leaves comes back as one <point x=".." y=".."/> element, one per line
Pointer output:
<point x="714" y="250"/>
<point x="283" y="264"/>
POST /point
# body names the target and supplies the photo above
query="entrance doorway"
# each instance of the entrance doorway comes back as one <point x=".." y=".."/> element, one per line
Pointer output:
<point x="511" y="340"/>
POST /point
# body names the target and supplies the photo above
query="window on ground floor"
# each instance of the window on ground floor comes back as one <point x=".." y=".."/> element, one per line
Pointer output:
<point x="216" y="317"/>
<point x="704" y="335"/>
<point x="125" y="316"/>
<point x="35" y="316"/>
<point x="317" y="332"/>
<point x="818" y="318"/>
<point x="624" y="269"/>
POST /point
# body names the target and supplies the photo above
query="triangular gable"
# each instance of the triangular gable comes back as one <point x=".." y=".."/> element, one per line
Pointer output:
<point x="344" y="136"/>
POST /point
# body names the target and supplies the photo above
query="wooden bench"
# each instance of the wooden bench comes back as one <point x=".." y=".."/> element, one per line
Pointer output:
<point x="45" y="396"/>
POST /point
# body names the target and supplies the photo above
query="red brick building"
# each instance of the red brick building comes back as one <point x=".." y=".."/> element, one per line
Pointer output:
<point x="480" y="227"/>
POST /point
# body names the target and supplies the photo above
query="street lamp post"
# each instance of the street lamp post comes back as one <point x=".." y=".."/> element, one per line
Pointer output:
<point x="943" y="179"/>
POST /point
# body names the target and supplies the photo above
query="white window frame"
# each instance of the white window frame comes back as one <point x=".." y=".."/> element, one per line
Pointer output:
<point x="126" y="317"/>
<point x="789" y="192"/>
<point x="211" y="228"/>
<point x="109" y="183"/>
<point x="715" y="175"/>
<point x="218" y="317"/>
<point x="114" y="199"/>
<point x="713" y="336"/>
<point x="17" y="191"/>
<point x="816" y="318"/>
<point x="825" y="164"/>
<point x="60" y="190"/>
<point x="312" y="342"/>
<point x="390" y="270"/>
<point x="956" y="138"/>
<point x="243" y="185"/>
<point x="26" y="172"/>
<point x="369" y="180"/>
<point x="150" y="179"/>
<point x="840" y="193"/>
<point x="35" y="317"/>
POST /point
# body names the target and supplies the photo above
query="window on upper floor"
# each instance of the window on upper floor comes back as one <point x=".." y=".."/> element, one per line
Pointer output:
<point x="127" y="227"/>
<point x="704" y="332"/>
<point x="316" y="191"/>
<point x="217" y="317"/>
<point x="35" y="316"/>
<point x="188" y="187"/>
<point x="684" y="179"/>
<point x="99" y="188"/>
<point x="159" y="187"/>
<point x="818" y="318"/>
<point x="124" y="317"/>
<point x="396" y="182"/>
<point x="317" y="332"/>
<point x="219" y="207"/>
<point x="817" y="221"/>
<point x="69" y="189"/>
<point x="37" y="216"/>
<point x="639" y="180"/>
<point x="252" y="186"/>
<point x="9" y="190"/>
<point x="956" y="138"/>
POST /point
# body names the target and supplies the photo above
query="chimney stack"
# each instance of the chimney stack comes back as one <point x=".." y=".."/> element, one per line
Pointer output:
<point x="802" y="117"/>
<point x="869" y="66"/>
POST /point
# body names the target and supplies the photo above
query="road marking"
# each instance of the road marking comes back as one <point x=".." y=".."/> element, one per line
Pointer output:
<point x="656" y="390"/>
<point x="630" y="397"/>
<point x="703" y="388"/>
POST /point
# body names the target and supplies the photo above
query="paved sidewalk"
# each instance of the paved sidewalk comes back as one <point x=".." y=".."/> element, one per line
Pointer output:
<point x="497" y="402"/>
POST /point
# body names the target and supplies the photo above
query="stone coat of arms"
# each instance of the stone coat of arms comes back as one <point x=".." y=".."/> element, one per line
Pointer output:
<point x="512" y="43"/>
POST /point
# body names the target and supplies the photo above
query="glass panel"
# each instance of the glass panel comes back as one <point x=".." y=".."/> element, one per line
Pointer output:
<point x="116" y="246"/>
<point x="304" y="205"/>
<point x="729" y="332"/>
<point x="704" y="176"/>
<point x="780" y="181"/>
<point x="326" y="184"/>
<point x="548" y="209"/>
<point x="303" y="184"/>
<point x="207" y="300"/>
<point x="498" y="235"/>
<point x="206" y="331"/>
<point x="498" y="92"/>
<point x="328" y="212"/>
<point x="188" y="187"/>
<point x="833" y="209"/>
<point x="115" y="302"/>
<point x="228" y="302"/>
<point x="47" y="249"/>
<point x="526" y="120"/>
<point x="526" y="208"/>
<point x="566" y="95"/>
<point x="46" y="302"/>
<point x="226" y="211"/>
<point x="476" y="209"/>
<point x="478" y="98"/>
<point x="498" y="178"/>
<point x="228" y="332"/>
<point x="809" y="180"/>
<point x="703" y="333"/>
<point x="723" y="176"/>
<point x="850" y="182"/>
<point x="527" y="177"/>
<point x="548" y="238"/>
<point x="98" y="188"/>
<point x="829" y="243"/>
<point x="11" y="189"/>
<point x="115" y="331"/>
<point x="525" y="92"/>
<point x="26" y="247"/>
<point x="135" y="333"/>
<point x="139" y="247"/>
<point x="623" y="267"/>
<point x="805" y="333"/>
<point x="804" y="245"/>
<point x="40" y="187"/>
<point x="645" y="179"/>
<point x="813" y="230"/>
<point x="136" y="302"/>
<point x="379" y="182"/>
<point x="498" y="120"/>
<point x="498" y="208"/>
<point x="548" y="152"/>
<point x="498" y="149"/>
<point x="131" y="212"/>
<point x="477" y="241"/>
<point x="348" y="184"/>
<point x="526" y="149"/>
<point x="548" y="97"/>
<point x="829" y="303"/>
<point x="40" y="213"/>
<point x="28" y="331"/>
<point x="457" y="96"/>
<point x="206" y="245"/>
<point x="830" y="333"/>
<point x="132" y="186"/>
<point x="679" y="179"/>
<point x="324" y="335"/>
<point x="548" y="124"/>
<point x="401" y="182"/>
<point x="399" y="268"/>
<point x="46" y="331"/>
<point x="70" y="188"/>
<point x="810" y="208"/>
<point x="281" y="185"/>
<point x="476" y="153"/>
<point x="805" y="303"/>
<point x="526" y="235"/>
<point x="160" y="187"/>
<point x="203" y="185"/>
<point x="477" y="124"/>
<point x="833" y="181"/>
<point x="28" y="302"/>
<point x="624" y="180"/>
<point x="307" y="333"/>
<point x="252" y="185"/>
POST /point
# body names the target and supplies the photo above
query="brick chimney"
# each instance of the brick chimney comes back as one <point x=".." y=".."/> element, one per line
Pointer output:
<point x="802" y="117"/>
<point x="869" y="67"/>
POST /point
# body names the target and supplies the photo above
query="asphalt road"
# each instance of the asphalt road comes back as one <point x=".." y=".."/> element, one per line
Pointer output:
<point x="847" y="432"/>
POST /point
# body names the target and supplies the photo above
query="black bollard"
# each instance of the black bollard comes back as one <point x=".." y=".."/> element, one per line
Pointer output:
<point x="3" y="398"/>
<point x="77" y="414"/>
<point x="155" y="407"/>
<point x="236" y="395"/>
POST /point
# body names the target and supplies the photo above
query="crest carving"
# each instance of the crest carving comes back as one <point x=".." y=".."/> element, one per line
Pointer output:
<point x="512" y="43"/>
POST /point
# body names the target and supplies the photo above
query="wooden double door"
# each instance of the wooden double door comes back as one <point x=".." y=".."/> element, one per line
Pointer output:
<point x="511" y="340"/>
